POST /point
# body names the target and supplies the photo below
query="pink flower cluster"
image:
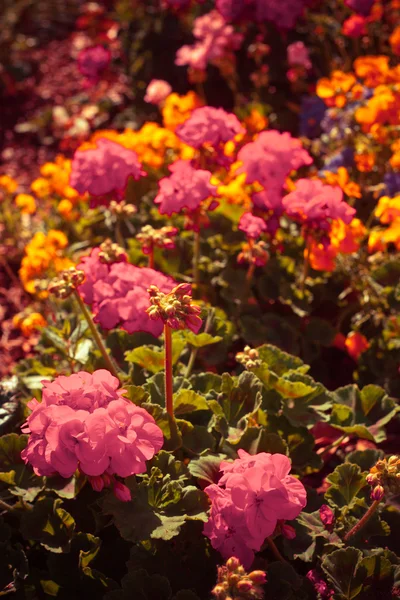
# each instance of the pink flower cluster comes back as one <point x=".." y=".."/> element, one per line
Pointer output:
<point x="209" y="125"/>
<point x="92" y="62"/>
<point x="315" y="204"/>
<point x="104" y="170"/>
<point x="269" y="160"/>
<point x="251" y="225"/>
<point x="215" y="39"/>
<point x="298" y="55"/>
<point x="252" y="496"/>
<point x="85" y="422"/>
<point x="283" y="14"/>
<point x="157" y="91"/>
<point x="187" y="187"/>
<point x="118" y="294"/>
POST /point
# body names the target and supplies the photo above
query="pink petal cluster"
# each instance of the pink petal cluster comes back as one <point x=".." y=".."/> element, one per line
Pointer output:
<point x="253" y="494"/>
<point x="315" y="204"/>
<point x="355" y="26"/>
<point x="118" y="294"/>
<point x="251" y="225"/>
<point x="209" y="125"/>
<point x="215" y="38"/>
<point x="85" y="422"/>
<point x="283" y="13"/>
<point x="157" y="91"/>
<point x="93" y="61"/>
<point x="269" y="160"/>
<point x="298" y="55"/>
<point x="186" y="188"/>
<point x="104" y="170"/>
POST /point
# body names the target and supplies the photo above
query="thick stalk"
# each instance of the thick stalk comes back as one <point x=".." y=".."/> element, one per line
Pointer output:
<point x="275" y="550"/>
<point x="362" y="521"/>
<point x="151" y="258"/>
<point x="169" y="401"/>
<point x="96" y="335"/>
<point x="195" y="264"/>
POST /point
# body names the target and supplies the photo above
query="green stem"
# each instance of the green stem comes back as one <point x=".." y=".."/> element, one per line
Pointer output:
<point x="362" y="521"/>
<point x="306" y="265"/>
<point x="96" y="335"/>
<point x="275" y="550"/>
<point x="194" y="351"/>
<point x="195" y="264"/>
<point x="169" y="400"/>
<point x="6" y="506"/>
<point x="118" y="234"/>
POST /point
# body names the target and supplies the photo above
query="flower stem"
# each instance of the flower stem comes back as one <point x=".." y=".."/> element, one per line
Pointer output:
<point x="169" y="402"/>
<point x="194" y="351"/>
<point x="195" y="264"/>
<point x="118" y="233"/>
<point x="362" y="521"/>
<point x="306" y="265"/>
<point x="275" y="550"/>
<point x="151" y="258"/>
<point x="96" y="335"/>
<point x="6" y="506"/>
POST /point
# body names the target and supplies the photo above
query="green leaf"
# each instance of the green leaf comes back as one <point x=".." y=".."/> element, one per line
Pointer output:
<point x="147" y="358"/>
<point x="196" y="438"/>
<point x="320" y="331"/>
<point x="257" y="439"/>
<point x="206" y="467"/>
<point x="19" y="478"/>
<point x="136" y="394"/>
<point x="278" y="361"/>
<point x="139" y="585"/>
<point x="188" y="401"/>
<point x="201" y="340"/>
<point x="49" y="524"/>
<point x="365" y="459"/>
<point x="340" y="567"/>
<point x="82" y="351"/>
<point x="346" y="482"/>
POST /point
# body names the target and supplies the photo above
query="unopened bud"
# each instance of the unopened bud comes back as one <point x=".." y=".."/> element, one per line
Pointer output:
<point x="258" y="577"/>
<point x="245" y="585"/>
<point x="233" y="563"/>
<point x="377" y="493"/>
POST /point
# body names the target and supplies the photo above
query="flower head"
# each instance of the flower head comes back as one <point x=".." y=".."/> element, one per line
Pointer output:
<point x="252" y="226"/>
<point x="66" y="282"/>
<point x="117" y="293"/>
<point x="175" y="308"/>
<point x="208" y="125"/>
<point x="157" y="91"/>
<point x="298" y="55"/>
<point x="92" y="62"/>
<point x="84" y="422"/>
<point x="26" y="203"/>
<point x="159" y="238"/>
<point x="186" y="188"/>
<point x="104" y="170"/>
<point x="355" y="26"/>
<point x="234" y="582"/>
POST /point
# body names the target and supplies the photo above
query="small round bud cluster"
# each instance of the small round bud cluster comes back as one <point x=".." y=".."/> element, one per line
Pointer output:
<point x="249" y="358"/>
<point x="66" y="282"/>
<point x="384" y="477"/>
<point x="160" y="238"/>
<point x="235" y="584"/>
<point x="254" y="253"/>
<point x="111" y="253"/>
<point x="176" y="308"/>
<point x="122" y="209"/>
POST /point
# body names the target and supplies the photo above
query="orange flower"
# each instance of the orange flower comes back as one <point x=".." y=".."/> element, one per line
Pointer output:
<point x="373" y="69"/>
<point x="320" y="257"/>
<point x="334" y="90"/>
<point x="388" y="209"/>
<point x="41" y="187"/>
<point x="382" y="108"/>
<point x="8" y="184"/>
<point x="395" y="41"/>
<point x="356" y="344"/>
<point x="255" y="121"/>
<point x="365" y="161"/>
<point x="29" y="324"/>
<point x="346" y="238"/>
<point x="379" y="239"/>
<point x="342" y="179"/>
<point x="177" y="109"/>
<point x="26" y="203"/>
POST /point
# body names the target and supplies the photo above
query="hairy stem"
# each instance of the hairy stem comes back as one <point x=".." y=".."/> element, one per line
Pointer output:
<point x="194" y="351"/>
<point x="169" y="402"/>
<point x="96" y="335"/>
<point x="195" y="263"/>
<point x="275" y="550"/>
<point x="151" y="258"/>
<point x="362" y="521"/>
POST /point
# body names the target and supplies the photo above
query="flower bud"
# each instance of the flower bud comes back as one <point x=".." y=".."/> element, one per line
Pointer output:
<point x="245" y="585"/>
<point x="372" y="479"/>
<point x="258" y="577"/>
<point x="288" y="532"/>
<point x="122" y="492"/>
<point x="233" y="563"/>
<point x="97" y="483"/>
<point x="377" y="493"/>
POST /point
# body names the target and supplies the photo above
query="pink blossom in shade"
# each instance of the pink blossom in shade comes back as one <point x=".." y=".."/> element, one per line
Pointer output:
<point x="157" y="91"/>
<point x="118" y="294"/>
<point x="327" y="516"/>
<point x="254" y="493"/>
<point x="283" y="14"/>
<point x="209" y="125"/>
<point x="320" y="586"/>
<point x="110" y="436"/>
<point x="355" y="26"/>
<point x="315" y="204"/>
<point x="251" y="225"/>
<point x="298" y="55"/>
<point x="215" y="39"/>
<point x="104" y="170"/>
<point x="362" y="7"/>
<point x="186" y="187"/>
<point x="93" y="61"/>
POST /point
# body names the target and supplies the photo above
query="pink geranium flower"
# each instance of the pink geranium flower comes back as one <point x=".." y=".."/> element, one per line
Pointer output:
<point x="215" y="38"/>
<point x="252" y="496"/>
<point x="208" y="125"/>
<point x="355" y="26"/>
<point x="157" y="91"/>
<point x="104" y="170"/>
<point x="84" y="422"/>
<point x="187" y="187"/>
<point x="252" y="226"/>
<point x="298" y="55"/>
<point x="315" y="204"/>
<point x="118" y="294"/>
<point x="93" y="61"/>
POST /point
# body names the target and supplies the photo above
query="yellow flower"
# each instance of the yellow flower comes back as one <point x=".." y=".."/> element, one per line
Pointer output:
<point x="235" y="191"/>
<point x="8" y="184"/>
<point x="373" y="69"/>
<point x="334" y="89"/>
<point x="342" y="179"/>
<point x="255" y="121"/>
<point x="26" y="203"/>
<point x="29" y="324"/>
<point x="65" y="208"/>
<point x="177" y="109"/>
<point x="395" y="41"/>
<point x="388" y="209"/>
<point x="41" y="187"/>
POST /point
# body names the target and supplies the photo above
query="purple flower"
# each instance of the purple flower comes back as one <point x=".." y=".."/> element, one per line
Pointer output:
<point x="283" y="14"/>
<point x="187" y="187"/>
<point x="104" y="170"/>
